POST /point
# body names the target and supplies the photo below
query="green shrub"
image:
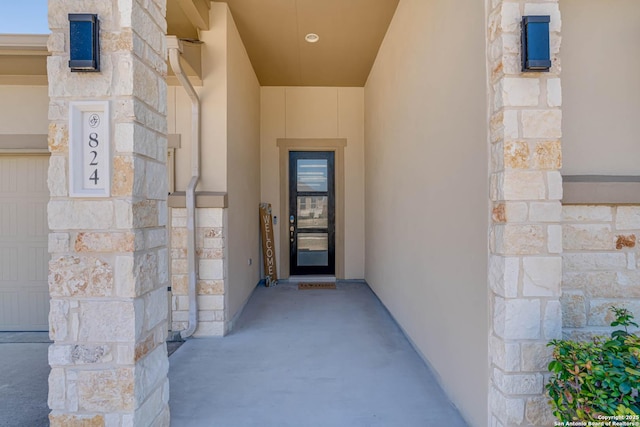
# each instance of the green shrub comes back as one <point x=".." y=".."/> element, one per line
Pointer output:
<point x="598" y="378"/>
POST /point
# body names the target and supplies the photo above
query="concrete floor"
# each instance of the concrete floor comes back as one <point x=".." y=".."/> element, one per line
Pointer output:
<point x="327" y="358"/>
<point x="23" y="383"/>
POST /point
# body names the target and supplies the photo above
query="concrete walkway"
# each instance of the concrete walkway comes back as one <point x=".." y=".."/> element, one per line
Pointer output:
<point x="327" y="358"/>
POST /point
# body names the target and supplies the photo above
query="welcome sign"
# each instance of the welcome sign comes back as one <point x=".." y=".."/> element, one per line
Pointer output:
<point x="268" y="245"/>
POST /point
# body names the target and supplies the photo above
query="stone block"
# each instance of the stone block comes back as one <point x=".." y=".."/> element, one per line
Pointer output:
<point x="551" y="8"/>
<point x="510" y="17"/>
<point x="517" y="318"/>
<point x="535" y="356"/>
<point x="625" y="241"/>
<point x="504" y="355"/>
<point x="80" y="214"/>
<point x="179" y="284"/>
<point x="523" y="185"/>
<point x="554" y="184"/>
<point x="155" y="238"/>
<point x="146" y="272"/>
<point x="211" y="302"/>
<point x="593" y="261"/>
<point x="91" y="354"/>
<point x="628" y="218"/>
<point x="58" y="319"/>
<point x="123" y="214"/>
<point x="552" y="320"/>
<point x="574" y="309"/>
<point x="120" y="328"/>
<point x="542" y="276"/>
<point x="554" y="92"/>
<point x="105" y="242"/>
<point x="209" y="217"/>
<point x="58" y="138"/>
<point x="601" y="315"/>
<point x="58" y="242"/>
<point x="213" y="243"/>
<point x="57" y="387"/>
<point x="70" y="420"/>
<point x="178" y="237"/>
<point x="210" y="287"/>
<point x="520" y="239"/>
<point x="59" y="354"/>
<point x="554" y="239"/>
<point x="209" y="329"/>
<point x="587" y="237"/>
<point x="508" y="410"/>
<point x="547" y="155"/>
<point x="211" y="269"/>
<point x="504" y="275"/>
<point x="155" y="308"/>
<point x="156" y="183"/>
<point x="517" y="384"/>
<point x="516" y="155"/>
<point x="179" y="266"/>
<point x="541" y="123"/>
<point x="125" y="280"/>
<point x="545" y="212"/>
<point x="538" y="412"/>
<point x="57" y="176"/>
<point x="145" y="214"/>
<point x="106" y="390"/>
<point x="586" y="213"/>
<point x="521" y="92"/>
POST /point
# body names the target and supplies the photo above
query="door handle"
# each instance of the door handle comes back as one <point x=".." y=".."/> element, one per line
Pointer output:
<point x="292" y="228"/>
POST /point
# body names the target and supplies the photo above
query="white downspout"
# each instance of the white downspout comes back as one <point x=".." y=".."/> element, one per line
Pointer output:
<point x="174" y="47"/>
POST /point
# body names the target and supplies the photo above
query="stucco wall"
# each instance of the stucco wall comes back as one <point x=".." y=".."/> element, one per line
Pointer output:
<point x="213" y="106"/>
<point x="317" y="112"/>
<point x="243" y="171"/>
<point x="600" y="87"/>
<point x="426" y="189"/>
<point x="24" y="110"/>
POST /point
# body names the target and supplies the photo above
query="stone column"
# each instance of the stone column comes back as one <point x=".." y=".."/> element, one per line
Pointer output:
<point x="525" y="266"/>
<point x="108" y="271"/>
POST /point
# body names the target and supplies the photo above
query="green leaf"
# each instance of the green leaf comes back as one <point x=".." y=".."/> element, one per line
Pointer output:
<point x="632" y="371"/>
<point x="625" y="388"/>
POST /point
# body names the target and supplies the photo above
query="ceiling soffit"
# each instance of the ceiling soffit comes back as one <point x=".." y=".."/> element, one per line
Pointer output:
<point x="350" y="31"/>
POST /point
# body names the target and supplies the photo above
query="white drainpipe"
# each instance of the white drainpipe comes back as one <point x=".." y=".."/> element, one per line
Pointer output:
<point x="174" y="47"/>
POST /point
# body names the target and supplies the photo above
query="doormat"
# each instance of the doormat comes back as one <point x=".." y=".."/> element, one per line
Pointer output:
<point x="317" y="285"/>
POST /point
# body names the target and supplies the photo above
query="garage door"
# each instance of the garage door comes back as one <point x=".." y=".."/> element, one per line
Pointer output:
<point x="24" y="294"/>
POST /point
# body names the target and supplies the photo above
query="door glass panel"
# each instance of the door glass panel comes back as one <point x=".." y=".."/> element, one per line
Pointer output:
<point x="312" y="175"/>
<point x="313" y="249"/>
<point x="313" y="212"/>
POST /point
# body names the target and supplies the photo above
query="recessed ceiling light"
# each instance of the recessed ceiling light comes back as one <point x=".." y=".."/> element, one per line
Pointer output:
<point x="312" y="38"/>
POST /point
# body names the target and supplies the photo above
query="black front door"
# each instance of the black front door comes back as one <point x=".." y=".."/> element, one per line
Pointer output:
<point x="312" y="212"/>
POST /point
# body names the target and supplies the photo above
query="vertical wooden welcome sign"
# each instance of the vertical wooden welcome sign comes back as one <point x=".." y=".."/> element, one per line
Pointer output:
<point x="268" y="245"/>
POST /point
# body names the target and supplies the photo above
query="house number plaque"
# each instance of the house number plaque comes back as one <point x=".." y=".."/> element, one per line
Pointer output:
<point x="89" y="149"/>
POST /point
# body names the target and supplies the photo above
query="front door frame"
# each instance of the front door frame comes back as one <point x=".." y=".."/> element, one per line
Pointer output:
<point x="312" y="144"/>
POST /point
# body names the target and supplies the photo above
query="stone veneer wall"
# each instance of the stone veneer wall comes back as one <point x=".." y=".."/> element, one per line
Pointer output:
<point x="525" y="261"/>
<point x="108" y="273"/>
<point x="210" y="253"/>
<point x="601" y="266"/>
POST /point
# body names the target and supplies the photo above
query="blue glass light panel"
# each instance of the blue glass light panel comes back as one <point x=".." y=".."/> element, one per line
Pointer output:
<point x="535" y="43"/>
<point x="84" y="29"/>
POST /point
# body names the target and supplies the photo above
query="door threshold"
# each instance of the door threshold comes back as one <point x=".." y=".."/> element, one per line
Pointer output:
<point x="311" y="279"/>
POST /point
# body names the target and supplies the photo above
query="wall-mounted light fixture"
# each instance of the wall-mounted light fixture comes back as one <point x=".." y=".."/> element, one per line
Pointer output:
<point x="535" y="43"/>
<point x="84" y="42"/>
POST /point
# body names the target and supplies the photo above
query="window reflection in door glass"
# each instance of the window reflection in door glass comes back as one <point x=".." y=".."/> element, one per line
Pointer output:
<point x="312" y="175"/>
